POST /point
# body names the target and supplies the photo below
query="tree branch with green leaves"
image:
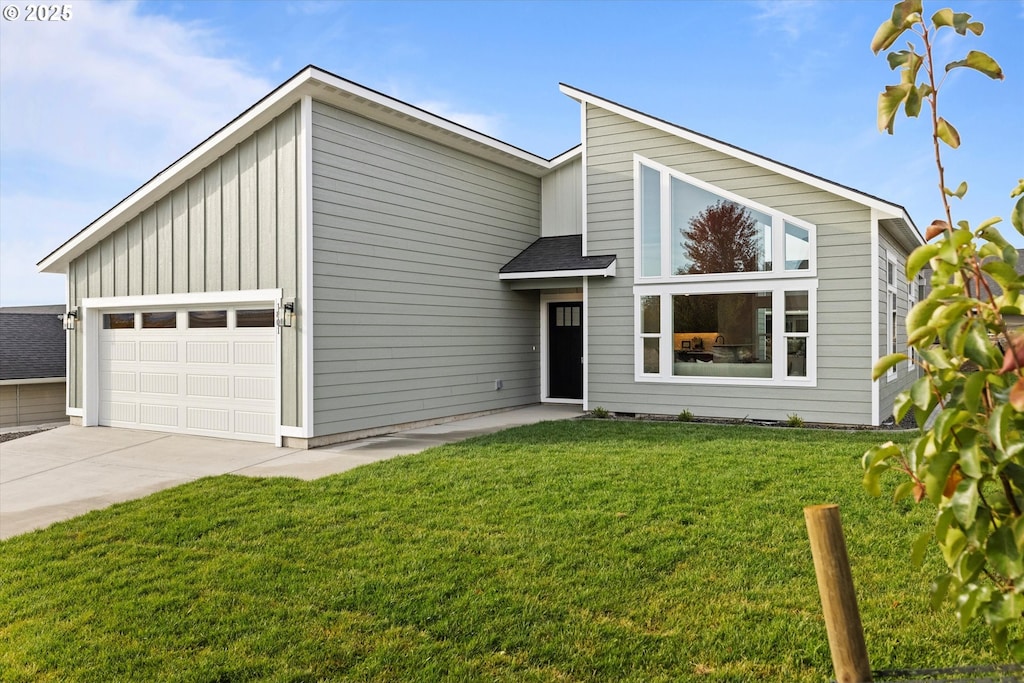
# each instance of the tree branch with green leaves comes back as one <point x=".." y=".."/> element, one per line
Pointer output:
<point x="968" y="402"/>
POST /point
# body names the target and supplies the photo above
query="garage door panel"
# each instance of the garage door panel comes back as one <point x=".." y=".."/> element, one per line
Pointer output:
<point x="158" y="383"/>
<point x="209" y="386"/>
<point x="158" y="351"/>
<point x="201" y="381"/>
<point x="123" y="381"/>
<point x="209" y="419"/>
<point x="118" y="350"/>
<point x="254" y="353"/>
<point x="255" y="424"/>
<point x="118" y="414"/>
<point x="257" y="388"/>
<point x="158" y="415"/>
<point x="208" y="352"/>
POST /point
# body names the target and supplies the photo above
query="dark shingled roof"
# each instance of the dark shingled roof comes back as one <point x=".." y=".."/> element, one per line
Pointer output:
<point x="32" y="345"/>
<point x="556" y="253"/>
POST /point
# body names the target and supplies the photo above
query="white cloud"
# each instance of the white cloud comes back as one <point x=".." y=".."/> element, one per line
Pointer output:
<point x="116" y="90"/>
<point x="92" y="108"/>
<point x="792" y="17"/>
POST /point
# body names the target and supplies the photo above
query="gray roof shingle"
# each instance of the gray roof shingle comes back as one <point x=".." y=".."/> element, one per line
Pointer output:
<point x="549" y="254"/>
<point x="32" y="345"/>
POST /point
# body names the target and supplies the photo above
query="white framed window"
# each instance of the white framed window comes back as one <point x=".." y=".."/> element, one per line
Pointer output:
<point x="727" y="333"/>
<point x="719" y="281"/>
<point x="892" y="310"/>
<point x="689" y="230"/>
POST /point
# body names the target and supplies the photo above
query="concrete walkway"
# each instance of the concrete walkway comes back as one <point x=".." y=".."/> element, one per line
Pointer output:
<point x="68" y="471"/>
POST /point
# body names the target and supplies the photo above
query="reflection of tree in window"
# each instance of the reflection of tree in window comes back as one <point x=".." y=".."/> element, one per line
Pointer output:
<point x="721" y="239"/>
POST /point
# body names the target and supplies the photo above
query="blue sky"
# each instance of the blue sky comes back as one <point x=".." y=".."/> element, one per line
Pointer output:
<point x="93" y="107"/>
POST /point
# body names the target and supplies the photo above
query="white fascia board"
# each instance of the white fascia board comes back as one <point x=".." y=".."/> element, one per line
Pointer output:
<point x="533" y="275"/>
<point x="566" y="156"/>
<point x="889" y="210"/>
<point x="33" y="380"/>
<point x="178" y="172"/>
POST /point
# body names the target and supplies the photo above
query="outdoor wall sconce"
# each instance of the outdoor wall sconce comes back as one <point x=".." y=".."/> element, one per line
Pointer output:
<point x="69" y="318"/>
<point x="286" y="314"/>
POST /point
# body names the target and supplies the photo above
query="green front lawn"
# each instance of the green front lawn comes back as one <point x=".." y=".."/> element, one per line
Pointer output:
<point x="565" y="551"/>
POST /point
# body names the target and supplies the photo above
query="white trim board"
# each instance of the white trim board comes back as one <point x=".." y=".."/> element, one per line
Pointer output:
<point x="306" y="320"/>
<point x="533" y="275"/>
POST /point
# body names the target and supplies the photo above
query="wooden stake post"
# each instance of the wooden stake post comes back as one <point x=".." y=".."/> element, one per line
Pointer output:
<point x="838" y="600"/>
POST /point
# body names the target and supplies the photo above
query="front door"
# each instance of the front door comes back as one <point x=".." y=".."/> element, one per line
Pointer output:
<point x="565" y="350"/>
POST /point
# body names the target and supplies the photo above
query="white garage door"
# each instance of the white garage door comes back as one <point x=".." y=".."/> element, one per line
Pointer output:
<point x="211" y="372"/>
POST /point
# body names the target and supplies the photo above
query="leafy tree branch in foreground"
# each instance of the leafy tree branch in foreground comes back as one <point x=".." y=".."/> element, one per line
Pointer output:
<point x="968" y="459"/>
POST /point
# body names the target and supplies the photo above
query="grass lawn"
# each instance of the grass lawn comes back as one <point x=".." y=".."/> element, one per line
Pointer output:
<point x="565" y="551"/>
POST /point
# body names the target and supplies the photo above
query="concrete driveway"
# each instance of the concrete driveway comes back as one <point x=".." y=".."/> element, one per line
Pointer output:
<point x="61" y="473"/>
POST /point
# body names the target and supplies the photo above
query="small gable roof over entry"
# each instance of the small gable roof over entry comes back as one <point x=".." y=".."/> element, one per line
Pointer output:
<point x="557" y="257"/>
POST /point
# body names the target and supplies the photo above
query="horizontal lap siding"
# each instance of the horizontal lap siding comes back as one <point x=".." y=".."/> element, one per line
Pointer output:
<point x="29" y="404"/>
<point x="233" y="226"/>
<point x="843" y="391"/>
<point x="412" y="322"/>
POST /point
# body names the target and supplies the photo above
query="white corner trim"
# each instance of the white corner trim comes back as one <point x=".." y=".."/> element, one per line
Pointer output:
<point x="873" y="279"/>
<point x="306" y="320"/>
<point x="586" y="340"/>
<point x="73" y="412"/>
<point x="294" y="432"/>
<point x="583" y="185"/>
<point x="890" y="210"/>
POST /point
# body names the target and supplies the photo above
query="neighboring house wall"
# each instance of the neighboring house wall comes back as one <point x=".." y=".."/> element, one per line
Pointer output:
<point x="411" y="321"/>
<point x="561" y="200"/>
<point x="843" y="390"/>
<point x="32" y="403"/>
<point x="231" y="227"/>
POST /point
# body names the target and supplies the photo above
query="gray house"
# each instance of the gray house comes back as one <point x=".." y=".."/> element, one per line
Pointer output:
<point x="335" y="262"/>
<point x="32" y="365"/>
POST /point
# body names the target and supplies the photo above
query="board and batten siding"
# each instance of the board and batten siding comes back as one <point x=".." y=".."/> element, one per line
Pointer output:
<point x="843" y="390"/>
<point x="561" y="200"/>
<point x="232" y="226"/>
<point x="411" y="321"/>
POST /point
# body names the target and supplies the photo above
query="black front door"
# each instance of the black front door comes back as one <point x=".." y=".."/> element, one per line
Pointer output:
<point x="565" y="350"/>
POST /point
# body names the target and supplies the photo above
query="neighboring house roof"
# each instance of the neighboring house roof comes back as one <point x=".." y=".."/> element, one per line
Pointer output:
<point x="32" y="343"/>
<point x="556" y="257"/>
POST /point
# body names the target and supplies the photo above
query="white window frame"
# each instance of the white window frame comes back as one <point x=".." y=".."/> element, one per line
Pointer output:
<point x="891" y="309"/>
<point x="778" y="287"/>
<point x="778" y="281"/>
<point x="779" y="219"/>
<point x="912" y="299"/>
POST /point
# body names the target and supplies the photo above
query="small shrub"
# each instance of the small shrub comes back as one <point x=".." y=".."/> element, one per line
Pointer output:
<point x="686" y="416"/>
<point x="599" y="412"/>
<point x="794" y="420"/>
